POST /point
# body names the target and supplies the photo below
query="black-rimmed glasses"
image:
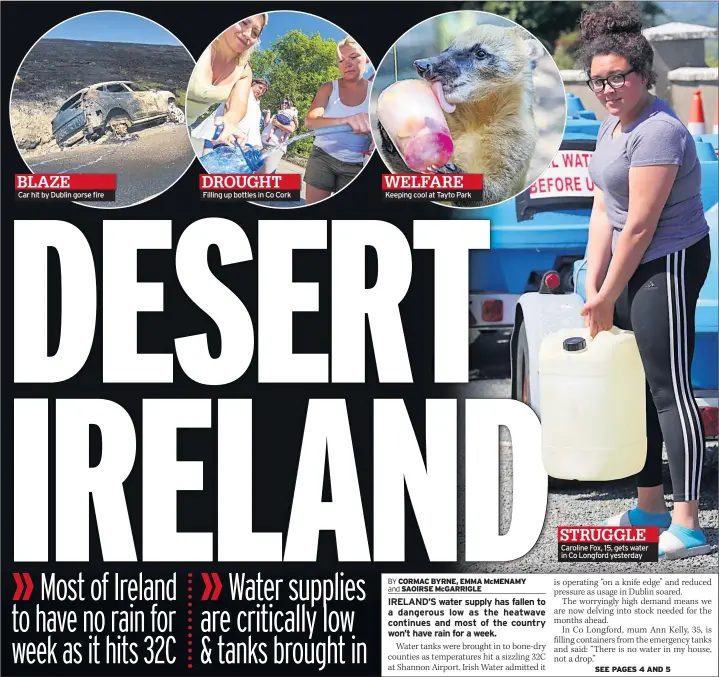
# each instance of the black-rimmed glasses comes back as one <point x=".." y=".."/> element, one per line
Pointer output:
<point x="615" y="80"/>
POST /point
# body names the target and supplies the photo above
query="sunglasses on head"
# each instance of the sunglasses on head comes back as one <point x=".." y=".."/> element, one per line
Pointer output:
<point x="615" y="80"/>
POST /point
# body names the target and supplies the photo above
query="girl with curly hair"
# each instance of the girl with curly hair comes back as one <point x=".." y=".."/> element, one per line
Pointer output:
<point x="648" y="257"/>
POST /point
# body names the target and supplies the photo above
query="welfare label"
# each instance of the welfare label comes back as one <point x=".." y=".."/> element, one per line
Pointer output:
<point x="234" y="187"/>
<point x="431" y="187"/>
<point x="65" y="187"/>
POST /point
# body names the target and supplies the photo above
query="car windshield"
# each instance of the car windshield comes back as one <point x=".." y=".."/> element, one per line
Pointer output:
<point x="135" y="87"/>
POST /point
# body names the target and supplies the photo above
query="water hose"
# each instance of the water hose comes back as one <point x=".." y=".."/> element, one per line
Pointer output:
<point x="320" y="131"/>
<point x="270" y="156"/>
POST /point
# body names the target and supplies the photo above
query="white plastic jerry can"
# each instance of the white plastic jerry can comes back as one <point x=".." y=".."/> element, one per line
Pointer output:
<point x="592" y="394"/>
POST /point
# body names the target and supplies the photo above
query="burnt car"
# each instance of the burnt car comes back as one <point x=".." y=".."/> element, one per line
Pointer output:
<point x="111" y="108"/>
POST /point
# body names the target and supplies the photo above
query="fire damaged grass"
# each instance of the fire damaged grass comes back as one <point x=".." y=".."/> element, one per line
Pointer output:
<point x="55" y="69"/>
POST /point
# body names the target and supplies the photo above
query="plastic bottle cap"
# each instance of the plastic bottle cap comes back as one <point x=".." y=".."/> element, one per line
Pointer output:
<point x="574" y="344"/>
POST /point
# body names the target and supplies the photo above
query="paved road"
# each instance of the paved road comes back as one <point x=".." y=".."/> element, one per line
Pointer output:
<point x="285" y="167"/>
<point x="145" y="166"/>
<point x="581" y="505"/>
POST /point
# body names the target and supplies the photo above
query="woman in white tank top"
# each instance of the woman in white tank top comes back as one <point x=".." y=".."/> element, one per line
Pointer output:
<point x="336" y="159"/>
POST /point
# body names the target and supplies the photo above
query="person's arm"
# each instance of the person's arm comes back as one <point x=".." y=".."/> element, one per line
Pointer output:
<point x="315" y="116"/>
<point x="655" y="154"/>
<point x="236" y="108"/>
<point x="599" y="247"/>
<point x="295" y="122"/>
<point x="285" y="128"/>
<point x="649" y="188"/>
<point x="235" y="111"/>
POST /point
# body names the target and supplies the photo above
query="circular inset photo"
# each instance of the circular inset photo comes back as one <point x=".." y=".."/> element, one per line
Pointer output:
<point x="469" y="92"/>
<point x="283" y="93"/>
<point x="104" y="93"/>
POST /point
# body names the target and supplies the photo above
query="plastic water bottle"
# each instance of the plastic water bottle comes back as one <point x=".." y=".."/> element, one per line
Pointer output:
<point x="592" y="394"/>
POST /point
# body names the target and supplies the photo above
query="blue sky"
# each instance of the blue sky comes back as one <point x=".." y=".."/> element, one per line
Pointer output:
<point x="282" y="22"/>
<point x="113" y="26"/>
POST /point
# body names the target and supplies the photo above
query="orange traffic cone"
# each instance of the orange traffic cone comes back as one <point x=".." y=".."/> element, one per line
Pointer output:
<point x="696" y="115"/>
<point x="715" y="129"/>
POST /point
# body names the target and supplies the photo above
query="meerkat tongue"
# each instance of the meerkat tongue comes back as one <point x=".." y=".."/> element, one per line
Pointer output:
<point x="439" y="93"/>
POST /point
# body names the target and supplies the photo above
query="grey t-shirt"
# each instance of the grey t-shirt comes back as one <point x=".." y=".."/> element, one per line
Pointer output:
<point x="658" y="137"/>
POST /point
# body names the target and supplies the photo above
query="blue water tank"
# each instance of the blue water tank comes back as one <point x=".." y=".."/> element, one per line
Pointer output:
<point x="710" y="183"/>
<point x="574" y="105"/>
<point x="581" y="123"/>
<point x="713" y="139"/>
<point x="705" y="152"/>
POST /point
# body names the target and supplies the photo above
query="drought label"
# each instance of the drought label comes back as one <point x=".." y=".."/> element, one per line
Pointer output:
<point x="240" y="187"/>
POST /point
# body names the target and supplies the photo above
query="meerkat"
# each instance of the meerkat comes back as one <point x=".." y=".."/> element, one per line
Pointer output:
<point x="484" y="84"/>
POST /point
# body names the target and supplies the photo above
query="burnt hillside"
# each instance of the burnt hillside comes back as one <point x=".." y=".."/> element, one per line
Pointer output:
<point x="57" y="68"/>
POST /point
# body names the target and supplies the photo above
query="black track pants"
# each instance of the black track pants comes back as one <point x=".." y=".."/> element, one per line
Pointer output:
<point x="658" y="305"/>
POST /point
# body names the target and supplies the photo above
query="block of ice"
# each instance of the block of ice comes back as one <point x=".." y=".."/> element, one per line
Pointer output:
<point x="412" y="116"/>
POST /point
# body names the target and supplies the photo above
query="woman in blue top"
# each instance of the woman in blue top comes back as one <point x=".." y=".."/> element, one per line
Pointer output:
<point x="648" y="257"/>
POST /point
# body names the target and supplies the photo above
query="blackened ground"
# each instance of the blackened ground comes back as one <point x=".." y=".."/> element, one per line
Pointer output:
<point x="63" y="66"/>
<point x="55" y="69"/>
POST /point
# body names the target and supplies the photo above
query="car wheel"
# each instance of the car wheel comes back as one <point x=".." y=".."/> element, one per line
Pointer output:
<point x="175" y="114"/>
<point x="118" y="125"/>
<point x="520" y="380"/>
<point x="566" y="279"/>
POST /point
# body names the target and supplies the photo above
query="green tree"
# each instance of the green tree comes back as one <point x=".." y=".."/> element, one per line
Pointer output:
<point x="549" y="20"/>
<point x="565" y="49"/>
<point x="297" y="65"/>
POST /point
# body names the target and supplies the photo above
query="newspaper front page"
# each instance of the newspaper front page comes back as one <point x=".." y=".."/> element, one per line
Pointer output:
<point x="359" y="338"/>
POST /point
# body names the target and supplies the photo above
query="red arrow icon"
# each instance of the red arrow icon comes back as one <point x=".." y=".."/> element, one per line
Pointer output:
<point x="218" y="583"/>
<point x="209" y="584"/>
<point x="20" y="585"/>
<point x="22" y="581"/>
<point x="30" y="587"/>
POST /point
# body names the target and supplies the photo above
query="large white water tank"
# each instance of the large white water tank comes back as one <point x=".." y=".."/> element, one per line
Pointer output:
<point x="593" y="405"/>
